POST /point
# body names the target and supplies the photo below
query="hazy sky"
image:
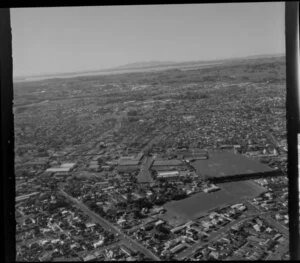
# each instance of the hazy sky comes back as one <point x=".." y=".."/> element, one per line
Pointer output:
<point x="68" y="39"/>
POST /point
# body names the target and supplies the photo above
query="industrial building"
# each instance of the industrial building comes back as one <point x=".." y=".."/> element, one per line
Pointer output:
<point x="167" y="165"/>
<point x="129" y="163"/>
<point x="58" y="169"/>
<point x="169" y="175"/>
<point x="63" y="168"/>
<point x="25" y="197"/>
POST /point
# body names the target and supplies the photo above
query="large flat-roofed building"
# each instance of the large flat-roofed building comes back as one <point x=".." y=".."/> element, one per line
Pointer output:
<point x="169" y="175"/>
<point x="63" y="168"/>
<point x="68" y="165"/>
<point x="172" y="162"/>
<point x="25" y="197"/>
<point x="128" y="167"/>
<point x="129" y="163"/>
<point x="134" y="157"/>
<point x="166" y="165"/>
<point x="58" y="169"/>
<point x="226" y="165"/>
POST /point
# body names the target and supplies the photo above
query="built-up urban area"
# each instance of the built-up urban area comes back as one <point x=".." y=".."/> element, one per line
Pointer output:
<point x="166" y="165"/>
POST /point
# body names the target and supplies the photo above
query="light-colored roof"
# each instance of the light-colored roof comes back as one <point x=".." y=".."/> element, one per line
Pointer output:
<point x="58" y="169"/>
<point x="90" y="224"/>
<point x="23" y="197"/>
<point x="159" y="222"/>
<point x="89" y="257"/>
<point x="68" y="165"/>
<point x="178" y="247"/>
<point x="167" y="174"/>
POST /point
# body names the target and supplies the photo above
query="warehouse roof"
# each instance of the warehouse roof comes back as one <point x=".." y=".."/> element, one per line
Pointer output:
<point x="128" y="162"/>
<point x="23" y="197"/>
<point x="173" y="162"/>
<point x="58" y="169"/>
<point x="168" y="173"/>
<point x="68" y="165"/>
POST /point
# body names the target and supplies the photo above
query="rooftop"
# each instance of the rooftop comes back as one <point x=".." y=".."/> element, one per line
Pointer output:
<point x="173" y="162"/>
<point x="144" y="177"/>
<point x="168" y="173"/>
<point x="68" y="165"/>
<point x="58" y="169"/>
<point x="128" y="162"/>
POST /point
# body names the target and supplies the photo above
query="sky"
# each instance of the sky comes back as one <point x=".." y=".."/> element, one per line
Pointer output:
<point x="72" y="39"/>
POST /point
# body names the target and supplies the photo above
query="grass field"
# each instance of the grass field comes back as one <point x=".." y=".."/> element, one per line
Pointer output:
<point x="234" y="192"/>
<point x="227" y="163"/>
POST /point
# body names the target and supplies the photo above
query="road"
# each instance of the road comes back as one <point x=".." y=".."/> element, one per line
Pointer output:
<point x="107" y="225"/>
<point x="282" y="248"/>
<point x="153" y="141"/>
<point x="214" y="236"/>
<point x="145" y="175"/>
<point x="271" y="221"/>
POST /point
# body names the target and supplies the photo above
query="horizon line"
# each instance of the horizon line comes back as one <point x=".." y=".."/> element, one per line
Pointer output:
<point x="116" y="68"/>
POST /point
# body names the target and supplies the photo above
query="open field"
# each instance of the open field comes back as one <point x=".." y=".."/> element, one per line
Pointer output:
<point x="198" y="204"/>
<point x="226" y="163"/>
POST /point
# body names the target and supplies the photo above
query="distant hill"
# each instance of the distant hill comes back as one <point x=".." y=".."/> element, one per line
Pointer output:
<point x="145" y="66"/>
<point x="264" y="56"/>
<point x="160" y="64"/>
<point x="157" y="64"/>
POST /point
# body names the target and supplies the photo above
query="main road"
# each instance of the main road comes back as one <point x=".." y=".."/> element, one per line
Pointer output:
<point x="144" y="174"/>
<point x="107" y="225"/>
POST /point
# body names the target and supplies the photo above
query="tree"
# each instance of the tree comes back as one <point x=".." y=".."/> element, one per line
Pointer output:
<point x="132" y="113"/>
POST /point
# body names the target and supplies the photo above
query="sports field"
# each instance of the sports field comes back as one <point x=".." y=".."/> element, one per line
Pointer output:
<point x="196" y="205"/>
<point x="226" y="163"/>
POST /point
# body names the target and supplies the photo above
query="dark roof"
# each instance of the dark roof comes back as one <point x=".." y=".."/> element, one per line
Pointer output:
<point x="173" y="162"/>
<point x="128" y="162"/>
<point x="127" y="168"/>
